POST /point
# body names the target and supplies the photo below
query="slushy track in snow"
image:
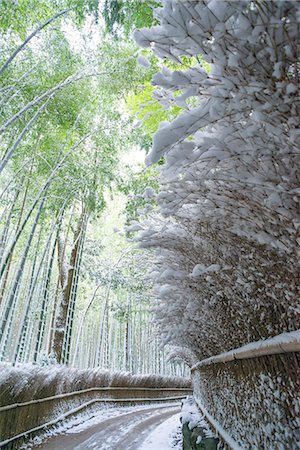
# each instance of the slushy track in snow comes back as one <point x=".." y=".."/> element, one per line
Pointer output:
<point x="125" y="430"/>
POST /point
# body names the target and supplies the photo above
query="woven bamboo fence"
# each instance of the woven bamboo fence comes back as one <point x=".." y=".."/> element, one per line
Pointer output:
<point x="26" y="410"/>
<point x="251" y="395"/>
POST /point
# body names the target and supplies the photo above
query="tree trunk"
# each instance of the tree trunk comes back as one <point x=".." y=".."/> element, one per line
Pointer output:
<point x="45" y="296"/>
<point x="66" y="277"/>
<point x="41" y="193"/>
<point x="70" y="316"/>
<point x="22" y="335"/>
<point x="28" y="39"/>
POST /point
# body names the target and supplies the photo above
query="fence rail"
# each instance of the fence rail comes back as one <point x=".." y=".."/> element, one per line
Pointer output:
<point x="86" y="405"/>
<point x="218" y="428"/>
<point x="90" y="390"/>
<point x="283" y="343"/>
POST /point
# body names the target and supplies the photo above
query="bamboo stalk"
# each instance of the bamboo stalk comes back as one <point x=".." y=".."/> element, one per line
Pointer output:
<point x="45" y="297"/>
<point x="20" y="270"/>
<point x="28" y="39"/>
<point x="74" y="288"/>
<point x="27" y="127"/>
<point x="42" y="192"/>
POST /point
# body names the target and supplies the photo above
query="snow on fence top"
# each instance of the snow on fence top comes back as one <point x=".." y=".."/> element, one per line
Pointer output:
<point x="283" y="343"/>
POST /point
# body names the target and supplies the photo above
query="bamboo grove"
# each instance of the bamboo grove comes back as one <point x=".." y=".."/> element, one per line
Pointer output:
<point x="62" y="133"/>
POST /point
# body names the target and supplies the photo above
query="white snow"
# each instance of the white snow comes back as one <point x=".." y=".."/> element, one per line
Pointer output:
<point x="89" y="418"/>
<point x="167" y="436"/>
<point x="191" y="415"/>
<point x="228" y="194"/>
<point x="233" y="445"/>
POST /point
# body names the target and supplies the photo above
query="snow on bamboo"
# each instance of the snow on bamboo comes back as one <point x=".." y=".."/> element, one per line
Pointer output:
<point x="228" y="217"/>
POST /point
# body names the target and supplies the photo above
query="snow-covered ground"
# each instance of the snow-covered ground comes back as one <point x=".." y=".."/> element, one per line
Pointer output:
<point x="144" y="427"/>
<point x="167" y="436"/>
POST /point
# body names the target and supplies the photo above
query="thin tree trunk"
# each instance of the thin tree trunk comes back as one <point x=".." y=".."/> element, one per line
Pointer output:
<point x="22" y="335"/>
<point x="16" y="177"/>
<point x="126" y="344"/>
<point x="49" y="93"/>
<point x="140" y="365"/>
<point x="4" y="234"/>
<point x="9" y="153"/>
<point x="35" y="202"/>
<point x="28" y="39"/>
<point x="128" y="336"/>
<point x="52" y="321"/>
<point x="106" y="304"/>
<point x="5" y="95"/>
<point x="82" y="322"/>
<point x="30" y="335"/>
<point x="7" y="269"/>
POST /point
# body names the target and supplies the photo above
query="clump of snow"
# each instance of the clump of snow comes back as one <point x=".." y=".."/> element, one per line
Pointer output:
<point x="200" y="269"/>
<point x="191" y="415"/>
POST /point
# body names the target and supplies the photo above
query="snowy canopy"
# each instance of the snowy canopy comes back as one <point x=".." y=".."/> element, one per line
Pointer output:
<point x="229" y="198"/>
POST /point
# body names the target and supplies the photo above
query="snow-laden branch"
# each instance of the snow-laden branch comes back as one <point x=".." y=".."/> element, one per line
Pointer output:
<point x="227" y="238"/>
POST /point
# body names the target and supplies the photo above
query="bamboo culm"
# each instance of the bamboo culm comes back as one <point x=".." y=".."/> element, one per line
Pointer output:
<point x="20" y="269"/>
<point x="28" y="39"/>
<point x="35" y="202"/>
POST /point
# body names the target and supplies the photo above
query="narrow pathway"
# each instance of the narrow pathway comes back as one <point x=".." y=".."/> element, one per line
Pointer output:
<point x="126" y="431"/>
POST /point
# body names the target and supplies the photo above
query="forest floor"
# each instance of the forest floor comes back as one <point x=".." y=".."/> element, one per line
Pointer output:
<point x="128" y="428"/>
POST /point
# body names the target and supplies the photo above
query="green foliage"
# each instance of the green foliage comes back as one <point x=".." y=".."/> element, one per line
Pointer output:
<point x="87" y="111"/>
<point x="122" y="16"/>
<point x="18" y="16"/>
<point x="23" y="16"/>
<point x="147" y="109"/>
<point x="70" y="155"/>
<point x="134" y="186"/>
<point x="142" y="106"/>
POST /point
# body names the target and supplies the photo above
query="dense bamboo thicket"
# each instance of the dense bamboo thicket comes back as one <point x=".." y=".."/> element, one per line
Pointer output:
<point x="227" y="231"/>
<point x="70" y="290"/>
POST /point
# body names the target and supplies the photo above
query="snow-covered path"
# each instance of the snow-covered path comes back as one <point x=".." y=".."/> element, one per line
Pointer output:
<point x="126" y="429"/>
